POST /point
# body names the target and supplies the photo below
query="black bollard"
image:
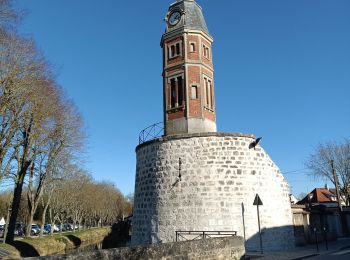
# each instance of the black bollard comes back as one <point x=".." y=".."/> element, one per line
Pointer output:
<point x="325" y="237"/>
<point x="315" y="230"/>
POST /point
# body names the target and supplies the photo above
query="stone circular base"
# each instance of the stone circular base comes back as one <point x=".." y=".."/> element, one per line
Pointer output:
<point x="220" y="177"/>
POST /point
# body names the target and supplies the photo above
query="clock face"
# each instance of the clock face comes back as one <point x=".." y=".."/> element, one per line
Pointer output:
<point x="174" y="18"/>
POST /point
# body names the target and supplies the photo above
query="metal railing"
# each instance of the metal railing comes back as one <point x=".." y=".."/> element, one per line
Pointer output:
<point x="195" y="235"/>
<point x="152" y="132"/>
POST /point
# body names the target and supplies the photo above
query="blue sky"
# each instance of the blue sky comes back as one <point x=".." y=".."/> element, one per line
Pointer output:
<point x="282" y="71"/>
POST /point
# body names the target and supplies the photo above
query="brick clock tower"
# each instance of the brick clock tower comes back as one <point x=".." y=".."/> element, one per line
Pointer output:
<point x="194" y="178"/>
<point x="189" y="100"/>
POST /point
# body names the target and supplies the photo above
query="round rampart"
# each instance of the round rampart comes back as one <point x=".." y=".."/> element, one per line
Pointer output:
<point x="220" y="176"/>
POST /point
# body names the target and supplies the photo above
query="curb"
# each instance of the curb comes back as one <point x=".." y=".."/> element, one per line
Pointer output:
<point x="305" y="256"/>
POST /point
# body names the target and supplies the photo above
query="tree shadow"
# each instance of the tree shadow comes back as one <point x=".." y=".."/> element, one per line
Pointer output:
<point x="75" y="240"/>
<point x="25" y="249"/>
<point x="119" y="235"/>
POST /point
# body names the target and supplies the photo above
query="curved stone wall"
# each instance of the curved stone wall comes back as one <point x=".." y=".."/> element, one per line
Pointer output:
<point x="220" y="177"/>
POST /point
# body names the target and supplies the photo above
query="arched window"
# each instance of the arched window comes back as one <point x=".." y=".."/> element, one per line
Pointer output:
<point x="193" y="47"/>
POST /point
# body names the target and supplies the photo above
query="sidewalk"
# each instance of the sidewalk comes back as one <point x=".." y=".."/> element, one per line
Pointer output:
<point x="302" y="252"/>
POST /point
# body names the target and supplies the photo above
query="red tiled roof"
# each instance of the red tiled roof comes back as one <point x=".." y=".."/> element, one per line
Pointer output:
<point x="318" y="195"/>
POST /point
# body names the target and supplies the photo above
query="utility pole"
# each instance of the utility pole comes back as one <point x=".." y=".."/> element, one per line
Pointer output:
<point x="336" y="185"/>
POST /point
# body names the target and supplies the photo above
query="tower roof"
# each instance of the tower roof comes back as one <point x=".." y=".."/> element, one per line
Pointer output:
<point x="192" y="16"/>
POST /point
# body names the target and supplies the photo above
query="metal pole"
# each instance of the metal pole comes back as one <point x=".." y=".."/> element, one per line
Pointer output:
<point x="243" y="222"/>
<point x="325" y="237"/>
<point x="261" y="246"/>
<point x="316" y="240"/>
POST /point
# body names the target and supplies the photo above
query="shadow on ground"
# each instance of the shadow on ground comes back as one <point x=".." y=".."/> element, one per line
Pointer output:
<point x="119" y="235"/>
<point x="75" y="240"/>
<point x="25" y="249"/>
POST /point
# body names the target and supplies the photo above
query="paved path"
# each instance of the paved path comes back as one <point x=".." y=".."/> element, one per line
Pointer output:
<point x="339" y="250"/>
<point x="339" y="255"/>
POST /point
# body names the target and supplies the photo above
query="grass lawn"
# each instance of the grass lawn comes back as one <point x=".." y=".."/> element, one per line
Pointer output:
<point x="58" y="243"/>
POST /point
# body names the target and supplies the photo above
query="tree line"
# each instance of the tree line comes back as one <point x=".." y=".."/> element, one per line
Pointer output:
<point x="42" y="140"/>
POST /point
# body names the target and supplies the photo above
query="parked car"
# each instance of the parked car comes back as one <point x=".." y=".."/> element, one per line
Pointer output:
<point x="2" y="231"/>
<point x="68" y="227"/>
<point x="35" y="229"/>
<point x="47" y="228"/>
<point x="19" y="229"/>
<point x="63" y="227"/>
<point x="55" y="228"/>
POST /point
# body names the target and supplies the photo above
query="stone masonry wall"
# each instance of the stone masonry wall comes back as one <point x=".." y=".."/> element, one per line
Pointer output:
<point x="220" y="177"/>
<point x="205" y="249"/>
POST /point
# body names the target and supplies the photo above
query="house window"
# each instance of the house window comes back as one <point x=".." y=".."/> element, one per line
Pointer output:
<point x="175" y="50"/>
<point x="206" y="52"/>
<point x="194" y="92"/>
<point x="193" y="47"/>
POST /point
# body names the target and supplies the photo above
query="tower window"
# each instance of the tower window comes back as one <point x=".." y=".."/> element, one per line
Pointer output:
<point x="194" y="92"/>
<point x="193" y="47"/>
<point x="180" y="92"/>
<point x="172" y="50"/>
<point x="172" y="93"/>
<point x="209" y="95"/>
<point x="176" y="92"/>
<point x="175" y="50"/>
<point x="206" y="52"/>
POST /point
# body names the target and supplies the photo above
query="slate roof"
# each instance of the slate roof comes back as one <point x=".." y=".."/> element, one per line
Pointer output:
<point x="193" y="16"/>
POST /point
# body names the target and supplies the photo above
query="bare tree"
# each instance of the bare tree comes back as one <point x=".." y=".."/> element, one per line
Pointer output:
<point x="59" y="142"/>
<point x="8" y="16"/>
<point x="320" y="164"/>
<point x="26" y="77"/>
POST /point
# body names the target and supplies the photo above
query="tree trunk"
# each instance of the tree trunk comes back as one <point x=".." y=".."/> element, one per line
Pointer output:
<point x="43" y="218"/>
<point x="51" y="221"/>
<point x="17" y="193"/>
<point x="29" y="222"/>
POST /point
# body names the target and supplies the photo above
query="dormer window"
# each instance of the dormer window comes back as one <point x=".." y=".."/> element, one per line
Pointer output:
<point x="175" y="50"/>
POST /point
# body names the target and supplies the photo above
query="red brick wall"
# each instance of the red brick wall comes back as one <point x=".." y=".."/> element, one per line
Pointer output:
<point x="193" y="77"/>
<point x="193" y="39"/>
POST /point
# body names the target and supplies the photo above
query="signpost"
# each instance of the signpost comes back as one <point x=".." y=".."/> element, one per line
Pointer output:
<point x="257" y="203"/>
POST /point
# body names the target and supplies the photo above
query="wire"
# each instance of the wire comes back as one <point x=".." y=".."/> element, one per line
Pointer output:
<point x="299" y="170"/>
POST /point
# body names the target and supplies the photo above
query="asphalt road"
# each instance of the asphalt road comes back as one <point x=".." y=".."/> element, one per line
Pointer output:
<point x="343" y="254"/>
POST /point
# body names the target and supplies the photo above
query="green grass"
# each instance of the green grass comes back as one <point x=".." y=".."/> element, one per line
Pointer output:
<point x="14" y="253"/>
<point x="56" y="244"/>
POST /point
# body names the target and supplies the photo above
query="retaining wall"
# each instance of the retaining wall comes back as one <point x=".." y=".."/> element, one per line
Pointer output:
<point x="210" y="249"/>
